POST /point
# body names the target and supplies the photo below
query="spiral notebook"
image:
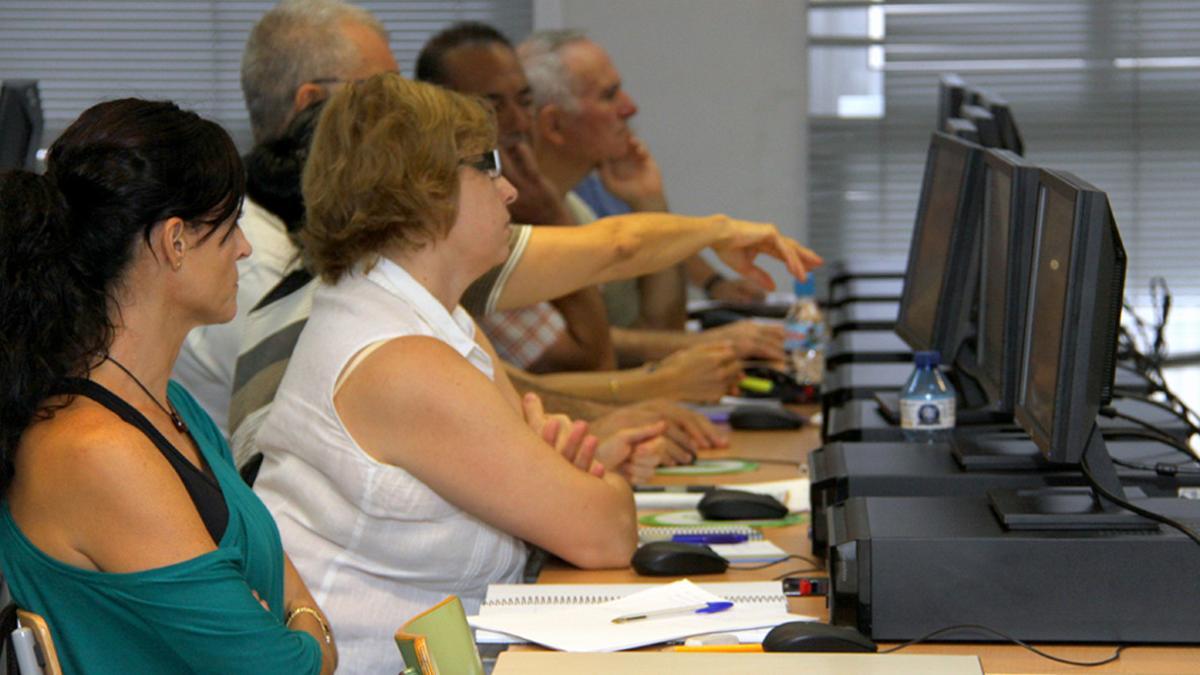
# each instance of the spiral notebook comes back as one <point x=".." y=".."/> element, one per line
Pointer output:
<point x="761" y="604"/>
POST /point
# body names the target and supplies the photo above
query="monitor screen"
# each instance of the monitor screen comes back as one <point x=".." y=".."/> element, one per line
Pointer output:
<point x="1072" y="318"/>
<point x="1047" y="311"/>
<point x="20" y="124"/>
<point x="942" y="250"/>
<point x="993" y="271"/>
<point x="1007" y="224"/>
<point x="932" y="247"/>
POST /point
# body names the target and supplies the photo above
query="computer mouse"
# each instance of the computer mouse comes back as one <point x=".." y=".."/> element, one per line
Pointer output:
<point x="670" y="558"/>
<point x="763" y="418"/>
<point x="740" y="505"/>
<point x="811" y="636"/>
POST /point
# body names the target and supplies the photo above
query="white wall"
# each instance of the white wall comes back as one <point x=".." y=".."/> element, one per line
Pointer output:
<point x="722" y="90"/>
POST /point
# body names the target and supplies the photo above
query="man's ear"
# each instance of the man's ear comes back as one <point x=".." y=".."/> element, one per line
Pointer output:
<point x="549" y="122"/>
<point x="306" y="95"/>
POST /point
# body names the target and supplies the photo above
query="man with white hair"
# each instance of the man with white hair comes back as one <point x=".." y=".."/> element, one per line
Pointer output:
<point x="580" y="125"/>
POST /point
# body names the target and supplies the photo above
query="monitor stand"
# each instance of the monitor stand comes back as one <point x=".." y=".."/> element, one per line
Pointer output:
<point x="1071" y="508"/>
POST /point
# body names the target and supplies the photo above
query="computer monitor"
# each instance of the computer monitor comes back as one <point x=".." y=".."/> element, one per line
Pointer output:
<point x="985" y="125"/>
<point x="1073" y="316"/>
<point x="951" y="92"/>
<point x="962" y="128"/>
<point x="1072" y="320"/>
<point x="939" y="279"/>
<point x="1006" y="124"/>
<point x="1007" y="227"/>
<point x="20" y="124"/>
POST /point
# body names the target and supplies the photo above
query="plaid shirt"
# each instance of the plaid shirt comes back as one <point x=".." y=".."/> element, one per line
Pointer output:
<point x="522" y="336"/>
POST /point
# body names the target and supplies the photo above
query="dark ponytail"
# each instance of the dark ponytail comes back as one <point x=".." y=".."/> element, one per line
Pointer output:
<point x="66" y="239"/>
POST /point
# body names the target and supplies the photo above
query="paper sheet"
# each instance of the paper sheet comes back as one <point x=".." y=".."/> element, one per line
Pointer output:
<point x="589" y="628"/>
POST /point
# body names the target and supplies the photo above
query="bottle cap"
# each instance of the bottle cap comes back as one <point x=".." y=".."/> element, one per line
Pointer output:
<point x="805" y="289"/>
<point x="929" y="359"/>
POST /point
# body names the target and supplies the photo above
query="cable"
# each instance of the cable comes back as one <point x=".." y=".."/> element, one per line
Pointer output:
<point x="789" y="573"/>
<point x="1166" y="469"/>
<point x="1151" y="432"/>
<point x="763" y="566"/>
<point x="1181" y="414"/>
<point x="1070" y="662"/>
<point x="1125" y="504"/>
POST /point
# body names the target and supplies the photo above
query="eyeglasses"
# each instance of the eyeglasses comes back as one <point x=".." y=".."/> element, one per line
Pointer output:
<point x="487" y="162"/>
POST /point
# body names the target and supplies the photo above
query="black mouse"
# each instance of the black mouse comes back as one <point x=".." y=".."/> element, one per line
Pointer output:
<point x="763" y="418"/>
<point x="810" y="636"/>
<point x="670" y="558"/>
<point x="740" y="505"/>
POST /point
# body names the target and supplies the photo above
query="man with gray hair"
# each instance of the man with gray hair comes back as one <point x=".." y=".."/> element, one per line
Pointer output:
<point x="296" y="54"/>
<point x="299" y="49"/>
<point x="580" y="125"/>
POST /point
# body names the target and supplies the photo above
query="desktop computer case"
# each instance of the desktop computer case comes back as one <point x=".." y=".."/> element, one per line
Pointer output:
<point x="902" y="567"/>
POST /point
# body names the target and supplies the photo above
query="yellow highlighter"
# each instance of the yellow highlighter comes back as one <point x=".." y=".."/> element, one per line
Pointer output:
<point x="757" y="385"/>
<point x="749" y="647"/>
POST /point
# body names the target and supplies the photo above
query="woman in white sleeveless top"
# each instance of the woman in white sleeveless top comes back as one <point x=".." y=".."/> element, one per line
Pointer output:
<point x="400" y="465"/>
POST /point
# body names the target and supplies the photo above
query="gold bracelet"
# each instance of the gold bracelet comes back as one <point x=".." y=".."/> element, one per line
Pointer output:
<point x="612" y="388"/>
<point x="316" y="615"/>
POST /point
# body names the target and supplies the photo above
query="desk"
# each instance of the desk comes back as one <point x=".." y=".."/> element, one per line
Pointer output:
<point x="996" y="658"/>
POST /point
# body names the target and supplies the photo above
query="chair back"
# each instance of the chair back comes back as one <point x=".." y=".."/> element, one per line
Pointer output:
<point x="30" y="646"/>
<point x="439" y="642"/>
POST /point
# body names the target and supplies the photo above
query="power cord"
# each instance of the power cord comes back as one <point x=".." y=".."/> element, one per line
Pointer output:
<point x="1125" y="504"/>
<point x="763" y="566"/>
<point x="1183" y="413"/>
<point x="1148" y="431"/>
<point x="972" y="626"/>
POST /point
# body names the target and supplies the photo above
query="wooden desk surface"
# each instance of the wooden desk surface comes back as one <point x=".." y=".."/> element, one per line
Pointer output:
<point x="794" y="447"/>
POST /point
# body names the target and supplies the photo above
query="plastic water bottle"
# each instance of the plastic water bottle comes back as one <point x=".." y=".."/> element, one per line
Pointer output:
<point x="927" y="401"/>
<point x="804" y="335"/>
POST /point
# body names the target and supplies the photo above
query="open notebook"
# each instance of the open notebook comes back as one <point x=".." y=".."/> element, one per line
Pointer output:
<point x="577" y="617"/>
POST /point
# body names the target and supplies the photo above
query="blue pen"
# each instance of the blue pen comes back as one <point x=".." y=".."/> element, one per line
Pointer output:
<point x="701" y="608"/>
<point x="711" y="538"/>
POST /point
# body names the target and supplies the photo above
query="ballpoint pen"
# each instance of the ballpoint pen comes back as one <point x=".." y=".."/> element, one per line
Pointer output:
<point x="711" y="538"/>
<point x="699" y="608"/>
<point x="674" y="488"/>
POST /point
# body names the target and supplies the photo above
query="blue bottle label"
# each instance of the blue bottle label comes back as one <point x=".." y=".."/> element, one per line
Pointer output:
<point x="931" y="414"/>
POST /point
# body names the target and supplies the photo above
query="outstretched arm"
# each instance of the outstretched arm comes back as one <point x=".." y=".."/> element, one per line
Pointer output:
<point x="559" y="260"/>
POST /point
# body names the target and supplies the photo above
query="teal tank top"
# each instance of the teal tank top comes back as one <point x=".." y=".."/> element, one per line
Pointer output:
<point x="196" y="616"/>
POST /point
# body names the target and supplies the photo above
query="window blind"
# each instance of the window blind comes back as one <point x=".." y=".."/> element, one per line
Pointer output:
<point x="189" y="51"/>
<point x="1105" y="89"/>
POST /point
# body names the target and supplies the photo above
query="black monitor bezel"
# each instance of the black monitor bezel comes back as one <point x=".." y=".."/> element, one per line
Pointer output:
<point x="961" y="127"/>
<point x="1006" y="123"/>
<point x="998" y="369"/>
<point x="986" y="127"/>
<point x="952" y="91"/>
<point x="1090" y="323"/>
<point x="23" y="96"/>
<point x="952" y="320"/>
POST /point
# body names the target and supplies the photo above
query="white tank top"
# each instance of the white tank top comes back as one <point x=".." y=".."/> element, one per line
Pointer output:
<point x="374" y="544"/>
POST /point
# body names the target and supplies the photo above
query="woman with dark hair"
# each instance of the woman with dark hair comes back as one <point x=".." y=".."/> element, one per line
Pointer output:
<point x="123" y="520"/>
